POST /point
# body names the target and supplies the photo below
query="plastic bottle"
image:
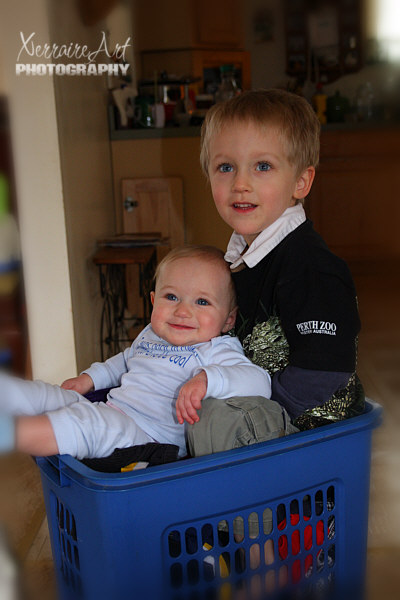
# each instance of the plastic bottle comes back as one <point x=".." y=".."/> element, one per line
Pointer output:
<point x="188" y="100"/>
<point x="228" y="87"/>
<point x="319" y="103"/>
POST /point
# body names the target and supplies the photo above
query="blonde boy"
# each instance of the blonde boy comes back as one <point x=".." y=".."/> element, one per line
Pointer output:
<point x="297" y="309"/>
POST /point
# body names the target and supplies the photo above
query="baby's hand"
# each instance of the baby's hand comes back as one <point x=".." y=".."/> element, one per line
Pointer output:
<point x="81" y="384"/>
<point x="189" y="399"/>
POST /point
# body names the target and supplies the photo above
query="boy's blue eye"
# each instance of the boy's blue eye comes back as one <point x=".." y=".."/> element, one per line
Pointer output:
<point x="171" y="297"/>
<point x="225" y="168"/>
<point x="202" y="302"/>
<point x="263" y="166"/>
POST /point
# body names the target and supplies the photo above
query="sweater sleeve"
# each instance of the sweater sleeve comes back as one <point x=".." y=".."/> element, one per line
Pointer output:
<point x="300" y="389"/>
<point x="108" y="374"/>
<point x="319" y="315"/>
<point x="230" y="373"/>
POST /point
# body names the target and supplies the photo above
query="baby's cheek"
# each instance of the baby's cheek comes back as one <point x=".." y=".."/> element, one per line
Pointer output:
<point x="156" y="321"/>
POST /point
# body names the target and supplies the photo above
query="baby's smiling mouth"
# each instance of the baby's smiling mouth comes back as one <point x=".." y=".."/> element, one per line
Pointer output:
<point x="179" y="326"/>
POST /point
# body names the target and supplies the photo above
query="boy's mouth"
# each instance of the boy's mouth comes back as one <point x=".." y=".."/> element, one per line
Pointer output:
<point x="243" y="206"/>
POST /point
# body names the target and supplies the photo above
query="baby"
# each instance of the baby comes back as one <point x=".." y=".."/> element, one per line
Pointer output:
<point x="158" y="383"/>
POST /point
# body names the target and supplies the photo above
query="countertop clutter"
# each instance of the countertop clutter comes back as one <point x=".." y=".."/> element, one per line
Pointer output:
<point x="170" y="102"/>
<point x="189" y="130"/>
<point x="173" y="107"/>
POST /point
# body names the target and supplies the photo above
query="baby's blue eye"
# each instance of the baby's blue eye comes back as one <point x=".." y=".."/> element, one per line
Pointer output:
<point x="171" y="297"/>
<point x="225" y="168"/>
<point x="202" y="302"/>
<point x="263" y="166"/>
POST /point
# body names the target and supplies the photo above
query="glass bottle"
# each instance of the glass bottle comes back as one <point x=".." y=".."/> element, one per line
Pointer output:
<point x="228" y="87"/>
<point x="365" y="101"/>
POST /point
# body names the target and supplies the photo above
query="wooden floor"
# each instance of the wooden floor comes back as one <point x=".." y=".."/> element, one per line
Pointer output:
<point x="379" y="369"/>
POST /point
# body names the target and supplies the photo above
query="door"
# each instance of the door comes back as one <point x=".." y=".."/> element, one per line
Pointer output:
<point x="151" y="205"/>
<point x="154" y="205"/>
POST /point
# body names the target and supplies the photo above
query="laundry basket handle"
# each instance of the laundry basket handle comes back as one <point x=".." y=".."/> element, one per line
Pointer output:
<point x="54" y="469"/>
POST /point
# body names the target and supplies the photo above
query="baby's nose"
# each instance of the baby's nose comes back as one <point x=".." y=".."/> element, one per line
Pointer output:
<point x="182" y="309"/>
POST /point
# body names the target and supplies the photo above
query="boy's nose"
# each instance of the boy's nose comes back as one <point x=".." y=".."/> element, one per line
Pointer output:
<point x="241" y="183"/>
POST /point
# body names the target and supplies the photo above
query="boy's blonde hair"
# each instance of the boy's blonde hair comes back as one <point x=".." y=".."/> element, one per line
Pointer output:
<point x="290" y="113"/>
<point x="204" y="253"/>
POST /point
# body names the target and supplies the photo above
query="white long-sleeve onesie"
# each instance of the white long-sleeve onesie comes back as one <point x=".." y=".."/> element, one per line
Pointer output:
<point x="148" y="376"/>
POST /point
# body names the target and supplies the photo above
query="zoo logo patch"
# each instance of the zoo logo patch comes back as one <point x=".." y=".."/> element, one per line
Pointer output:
<point x="324" y="327"/>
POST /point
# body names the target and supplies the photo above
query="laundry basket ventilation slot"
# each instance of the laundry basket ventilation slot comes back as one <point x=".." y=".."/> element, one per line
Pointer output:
<point x="258" y="551"/>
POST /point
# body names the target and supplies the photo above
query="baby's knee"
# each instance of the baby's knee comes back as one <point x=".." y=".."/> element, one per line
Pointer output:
<point x="235" y="422"/>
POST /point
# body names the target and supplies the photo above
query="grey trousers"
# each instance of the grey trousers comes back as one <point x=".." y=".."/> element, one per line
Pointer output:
<point x="235" y="422"/>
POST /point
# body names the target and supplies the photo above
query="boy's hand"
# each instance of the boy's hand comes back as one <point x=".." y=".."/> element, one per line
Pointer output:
<point x="81" y="384"/>
<point x="189" y="399"/>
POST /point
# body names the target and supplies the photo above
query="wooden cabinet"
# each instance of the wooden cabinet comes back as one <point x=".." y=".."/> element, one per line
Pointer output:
<point x="149" y="205"/>
<point x="198" y="63"/>
<point x="188" y="24"/>
<point x="187" y="37"/>
<point x="154" y="205"/>
<point x="218" y="23"/>
<point x="353" y="202"/>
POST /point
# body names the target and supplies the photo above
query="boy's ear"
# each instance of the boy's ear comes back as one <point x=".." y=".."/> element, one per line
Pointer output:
<point x="230" y="321"/>
<point x="304" y="183"/>
<point x="152" y="298"/>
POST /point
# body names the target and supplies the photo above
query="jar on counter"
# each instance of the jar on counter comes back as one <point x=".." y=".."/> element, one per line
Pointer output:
<point x="337" y="108"/>
<point x="228" y="87"/>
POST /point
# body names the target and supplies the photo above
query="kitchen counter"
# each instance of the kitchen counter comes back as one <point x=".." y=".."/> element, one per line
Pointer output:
<point x="177" y="132"/>
<point x="194" y="131"/>
<point x="154" y="133"/>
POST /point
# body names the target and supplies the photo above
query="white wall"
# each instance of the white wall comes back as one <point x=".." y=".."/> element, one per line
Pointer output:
<point x="40" y="197"/>
<point x="64" y="186"/>
<point x="86" y="175"/>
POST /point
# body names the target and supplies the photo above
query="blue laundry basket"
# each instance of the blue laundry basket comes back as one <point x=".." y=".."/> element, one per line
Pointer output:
<point x="181" y="531"/>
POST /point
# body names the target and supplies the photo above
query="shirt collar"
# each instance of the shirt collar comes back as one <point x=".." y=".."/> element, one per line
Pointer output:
<point x="266" y="241"/>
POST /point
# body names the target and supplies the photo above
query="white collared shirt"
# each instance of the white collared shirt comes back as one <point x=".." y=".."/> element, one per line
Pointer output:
<point x="266" y="241"/>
